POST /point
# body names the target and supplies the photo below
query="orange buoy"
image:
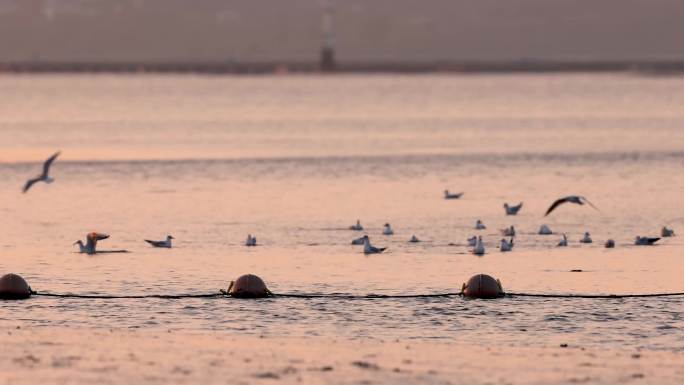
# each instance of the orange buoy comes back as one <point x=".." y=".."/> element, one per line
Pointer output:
<point x="482" y="286"/>
<point x="13" y="286"/>
<point x="248" y="286"/>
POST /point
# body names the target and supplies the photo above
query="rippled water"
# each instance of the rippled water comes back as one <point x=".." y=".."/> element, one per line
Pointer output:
<point x="296" y="160"/>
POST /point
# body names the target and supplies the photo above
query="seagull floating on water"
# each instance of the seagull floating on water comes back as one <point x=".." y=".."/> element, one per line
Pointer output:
<point x="563" y="242"/>
<point x="645" y="241"/>
<point x="357" y="226"/>
<point x="358" y="241"/>
<point x="91" y="242"/>
<point x="512" y="210"/>
<point x="251" y="241"/>
<point x="165" y="244"/>
<point x="448" y="195"/>
<point x="479" y="247"/>
<point x="370" y="249"/>
<point x="545" y="230"/>
<point x="610" y="244"/>
<point x="508" y="232"/>
<point x="580" y="200"/>
<point x="414" y="239"/>
<point x="506" y="245"/>
<point x="586" y="239"/>
<point x="388" y="229"/>
<point x="665" y="232"/>
<point x="472" y="241"/>
<point x="479" y="225"/>
<point x="44" y="177"/>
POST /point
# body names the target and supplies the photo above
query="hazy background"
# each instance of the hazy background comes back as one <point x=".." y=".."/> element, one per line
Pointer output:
<point x="366" y="30"/>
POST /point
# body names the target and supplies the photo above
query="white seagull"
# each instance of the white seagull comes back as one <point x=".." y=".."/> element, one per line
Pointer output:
<point x="479" y="247"/>
<point x="506" y="245"/>
<point x="357" y="226"/>
<point x="91" y="242"/>
<point x="388" y="229"/>
<point x="358" y="241"/>
<point x="479" y="225"/>
<point x="580" y="200"/>
<point x="665" y="232"/>
<point x="44" y="177"/>
<point x="645" y="241"/>
<point x="512" y="210"/>
<point x="370" y="249"/>
<point x="251" y="241"/>
<point x="586" y="239"/>
<point x="545" y="230"/>
<point x="563" y="242"/>
<point x="165" y="244"/>
<point x="508" y="232"/>
<point x="448" y="195"/>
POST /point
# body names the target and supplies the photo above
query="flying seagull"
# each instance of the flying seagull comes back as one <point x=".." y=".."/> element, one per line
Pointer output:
<point x="512" y="210"/>
<point x="44" y="177"/>
<point x="166" y="243"/>
<point x="580" y="200"/>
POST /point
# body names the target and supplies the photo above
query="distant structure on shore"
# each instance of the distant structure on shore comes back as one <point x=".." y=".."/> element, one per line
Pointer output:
<point x="328" y="49"/>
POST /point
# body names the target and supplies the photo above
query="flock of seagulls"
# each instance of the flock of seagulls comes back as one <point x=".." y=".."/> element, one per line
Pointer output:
<point x="478" y="248"/>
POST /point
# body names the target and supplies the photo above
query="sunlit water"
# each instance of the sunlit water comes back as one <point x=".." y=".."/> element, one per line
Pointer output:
<point x="296" y="160"/>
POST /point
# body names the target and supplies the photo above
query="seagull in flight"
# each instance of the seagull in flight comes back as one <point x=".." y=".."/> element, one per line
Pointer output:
<point x="166" y="243"/>
<point x="580" y="200"/>
<point x="44" y="177"/>
<point x="512" y="210"/>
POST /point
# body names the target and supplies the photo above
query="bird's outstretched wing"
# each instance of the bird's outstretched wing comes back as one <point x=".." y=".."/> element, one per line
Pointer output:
<point x="555" y="204"/>
<point x="48" y="163"/>
<point x="30" y="183"/>
<point x="589" y="203"/>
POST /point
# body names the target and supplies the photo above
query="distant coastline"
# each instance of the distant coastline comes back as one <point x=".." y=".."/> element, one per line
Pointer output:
<point x="281" y="67"/>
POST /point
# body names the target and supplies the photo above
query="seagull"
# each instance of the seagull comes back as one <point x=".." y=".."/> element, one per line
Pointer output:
<point x="506" y="245"/>
<point x="645" y="241"/>
<point x="586" y="239"/>
<point x="512" y="210"/>
<point x="580" y="200"/>
<point x="610" y="244"/>
<point x="370" y="249"/>
<point x="508" y="232"/>
<point x="166" y="243"/>
<point x="414" y="239"/>
<point x="448" y="195"/>
<point x="388" y="229"/>
<point x="357" y="241"/>
<point x="472" y="241"/>
<point x="357" y="226"/>
<point x="545" y="230"/>
<point x="563" y="242"/>
<point x="251" y="241"/>
<point x="91" y="242"/>
<point x="665" y="232"/>
<point x="479" y="247"/>
<point x="44" y="177"/>
<point x="479" y="225"/>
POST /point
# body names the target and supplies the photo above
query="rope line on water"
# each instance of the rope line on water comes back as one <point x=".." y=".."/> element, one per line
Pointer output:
<point x="350" y="296"/>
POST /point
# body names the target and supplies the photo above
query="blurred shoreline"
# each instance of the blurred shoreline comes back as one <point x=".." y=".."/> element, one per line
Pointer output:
<point x="655" y="67"/>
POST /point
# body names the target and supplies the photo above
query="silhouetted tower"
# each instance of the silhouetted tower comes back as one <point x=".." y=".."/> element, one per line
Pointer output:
<point x="328" y="50"/>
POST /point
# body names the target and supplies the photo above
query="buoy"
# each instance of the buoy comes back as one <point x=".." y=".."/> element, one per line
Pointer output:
<point x="482" y="286"/>
<point x="13" y="286"/>
<point x="248" y="286"/>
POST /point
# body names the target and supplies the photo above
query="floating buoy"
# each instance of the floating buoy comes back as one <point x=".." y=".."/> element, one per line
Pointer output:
<point x="482" y="286"/>
<point x="248" y="286"/>
<point x="13" y="286"/>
